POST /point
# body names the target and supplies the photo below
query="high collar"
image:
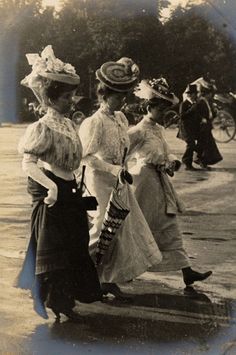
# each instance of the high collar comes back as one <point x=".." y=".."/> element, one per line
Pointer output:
<point x="54" y="113"/>
<point x="146" y="120"/>
<point x="104" y="109"/>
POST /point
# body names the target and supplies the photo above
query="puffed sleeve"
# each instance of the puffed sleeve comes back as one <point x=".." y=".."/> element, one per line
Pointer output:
<point x="36" y="139"/>
<point x="136" y="139"/>
<point x="90" y="133"/>
<point x="171" y="157"/>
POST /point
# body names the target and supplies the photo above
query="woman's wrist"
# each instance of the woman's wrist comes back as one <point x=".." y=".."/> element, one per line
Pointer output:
<point x="52" y="185"/>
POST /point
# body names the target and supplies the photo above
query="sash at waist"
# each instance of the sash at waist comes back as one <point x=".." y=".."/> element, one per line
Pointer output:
<point x="173" y="203"/>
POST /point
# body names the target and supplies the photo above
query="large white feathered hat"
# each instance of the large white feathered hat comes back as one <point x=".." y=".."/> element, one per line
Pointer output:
<point x="47" y="68"/>
<point x="156" y="89"/>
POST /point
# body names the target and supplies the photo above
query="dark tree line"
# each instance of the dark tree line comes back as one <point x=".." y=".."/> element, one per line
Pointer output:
<point x="195" y="40"/>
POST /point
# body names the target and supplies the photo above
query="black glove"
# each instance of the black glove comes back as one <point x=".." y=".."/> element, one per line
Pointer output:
<point x="177" y="165"/>
<point x="126" y="176"/>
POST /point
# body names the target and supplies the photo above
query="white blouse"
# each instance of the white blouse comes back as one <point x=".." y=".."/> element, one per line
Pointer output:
<point x="104" y="138"/>
<point x="53" y="139"/>
<point x="148" y="143"/>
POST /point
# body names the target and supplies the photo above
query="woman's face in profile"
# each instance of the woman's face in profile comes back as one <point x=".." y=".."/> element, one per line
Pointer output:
<point x="64" y="102"/>
<point x="157" y="112"/>
<point x="116" y="100"/>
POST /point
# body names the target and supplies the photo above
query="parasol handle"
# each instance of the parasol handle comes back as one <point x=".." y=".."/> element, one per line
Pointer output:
<point x="82" y="177"/>
<point x="122" y="165"/>
<point x="124" y="156"/>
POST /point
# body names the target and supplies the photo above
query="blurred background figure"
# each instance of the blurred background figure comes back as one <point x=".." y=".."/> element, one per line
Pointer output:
<point x="81" y="108"/>
<point x="189" y="124"/>
<point x="207" y="150"/>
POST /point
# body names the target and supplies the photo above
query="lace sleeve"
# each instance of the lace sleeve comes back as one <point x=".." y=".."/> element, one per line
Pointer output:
<point x="91" y="132"/>
<point x="171" y="157"/>
<point x="136" y="139"/>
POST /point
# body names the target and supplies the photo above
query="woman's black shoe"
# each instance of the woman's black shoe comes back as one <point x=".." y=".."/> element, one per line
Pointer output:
<point x="57" y="315"/>
<point x="115" y="291"/>
<point x="69" y="314"/>
<point x="193" y="276"/>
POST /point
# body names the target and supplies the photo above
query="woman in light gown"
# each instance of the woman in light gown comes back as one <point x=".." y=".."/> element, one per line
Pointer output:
<point x="104" y="138"/>
<point x="152" y="162"/>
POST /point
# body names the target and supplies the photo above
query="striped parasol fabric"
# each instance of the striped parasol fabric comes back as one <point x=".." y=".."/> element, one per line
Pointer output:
<point x="116" y="212"/>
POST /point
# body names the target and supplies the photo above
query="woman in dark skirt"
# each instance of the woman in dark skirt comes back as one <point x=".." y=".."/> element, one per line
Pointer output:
<point x="207" y="150"/>
<point x="57" y="269"/>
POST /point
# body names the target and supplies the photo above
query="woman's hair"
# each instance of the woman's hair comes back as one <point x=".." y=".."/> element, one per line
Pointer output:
<point x="103" y="91"/>
<point x="153" y="103"/>
<point x="57" y="88"/>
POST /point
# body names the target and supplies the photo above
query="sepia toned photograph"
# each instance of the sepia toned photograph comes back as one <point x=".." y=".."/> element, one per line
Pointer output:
<point x="118" y="177"/>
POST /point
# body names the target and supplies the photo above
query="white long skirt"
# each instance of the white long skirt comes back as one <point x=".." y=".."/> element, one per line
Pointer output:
<point x="150" y="195"/>
<point x="133" y="250"/>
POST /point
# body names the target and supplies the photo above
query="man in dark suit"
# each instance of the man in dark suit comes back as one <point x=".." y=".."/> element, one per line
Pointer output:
<point x="189" y="124"/>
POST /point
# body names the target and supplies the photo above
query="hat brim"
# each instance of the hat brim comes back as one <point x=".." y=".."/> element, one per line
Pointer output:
<point x="72" y="79"/>
<point x="121" y="87"/>
<point x="191" y="92"/>
<point x="173" y="100"/>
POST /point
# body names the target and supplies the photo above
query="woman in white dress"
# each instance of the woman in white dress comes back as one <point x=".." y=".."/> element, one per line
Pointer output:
<point x="104" y="138"/>
<point x="152" y="187"/>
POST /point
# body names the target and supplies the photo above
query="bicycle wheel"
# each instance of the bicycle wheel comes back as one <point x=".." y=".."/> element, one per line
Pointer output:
<point x="224" y="127"/>
<point x="170" y="118"/>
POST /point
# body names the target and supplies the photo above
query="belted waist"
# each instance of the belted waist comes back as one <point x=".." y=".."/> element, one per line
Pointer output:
<point x="158" y="167"/>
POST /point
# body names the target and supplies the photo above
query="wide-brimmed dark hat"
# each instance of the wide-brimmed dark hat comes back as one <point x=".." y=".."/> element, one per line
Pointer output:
<point x="156" y="89"/>
<point x="120" y="76"/>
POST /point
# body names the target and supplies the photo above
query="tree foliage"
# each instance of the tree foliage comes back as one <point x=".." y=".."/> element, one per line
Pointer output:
<point x="194" y="41"/>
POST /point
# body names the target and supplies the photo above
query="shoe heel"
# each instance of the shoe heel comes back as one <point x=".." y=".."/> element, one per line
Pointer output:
<point x="57" y="315"/>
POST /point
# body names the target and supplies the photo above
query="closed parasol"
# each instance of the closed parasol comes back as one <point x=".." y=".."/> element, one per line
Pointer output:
<point x="116" y="212"/>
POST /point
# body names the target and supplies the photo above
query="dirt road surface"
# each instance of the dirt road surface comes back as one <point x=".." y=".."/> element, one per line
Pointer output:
<point x="162" y="317"/>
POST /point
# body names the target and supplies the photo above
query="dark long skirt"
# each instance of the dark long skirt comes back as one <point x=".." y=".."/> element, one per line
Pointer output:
<point x="207" y="150"/>
<point x="58" y="268"/>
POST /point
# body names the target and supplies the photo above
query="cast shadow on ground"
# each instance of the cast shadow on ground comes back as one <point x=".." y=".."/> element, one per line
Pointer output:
<point x="145" y="319"/>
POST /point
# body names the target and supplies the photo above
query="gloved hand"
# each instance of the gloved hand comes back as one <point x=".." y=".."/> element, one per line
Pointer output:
<point x="51" y="198"/>
<point x="170" y="168"/>
<point x="125" y="176"/>
<point x="177" y="164"/>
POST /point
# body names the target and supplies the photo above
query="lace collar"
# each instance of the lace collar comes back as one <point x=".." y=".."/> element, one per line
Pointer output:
<point x="152" y="124"/>
<point x="59" y="123"/>
<point x="105" y="110"/>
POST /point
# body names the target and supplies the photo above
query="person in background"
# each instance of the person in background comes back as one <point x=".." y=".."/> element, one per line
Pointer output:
<point x="104" y="138"/>
<point x="57" y="269"/>
<point x="82" y="108"/>
<point x="189" y="127"/>
<point x="153" y="163"/>
<point x="207" y="150"/>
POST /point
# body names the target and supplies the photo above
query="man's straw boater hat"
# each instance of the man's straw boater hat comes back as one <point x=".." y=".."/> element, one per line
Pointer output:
<point x="120" y="76"/>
